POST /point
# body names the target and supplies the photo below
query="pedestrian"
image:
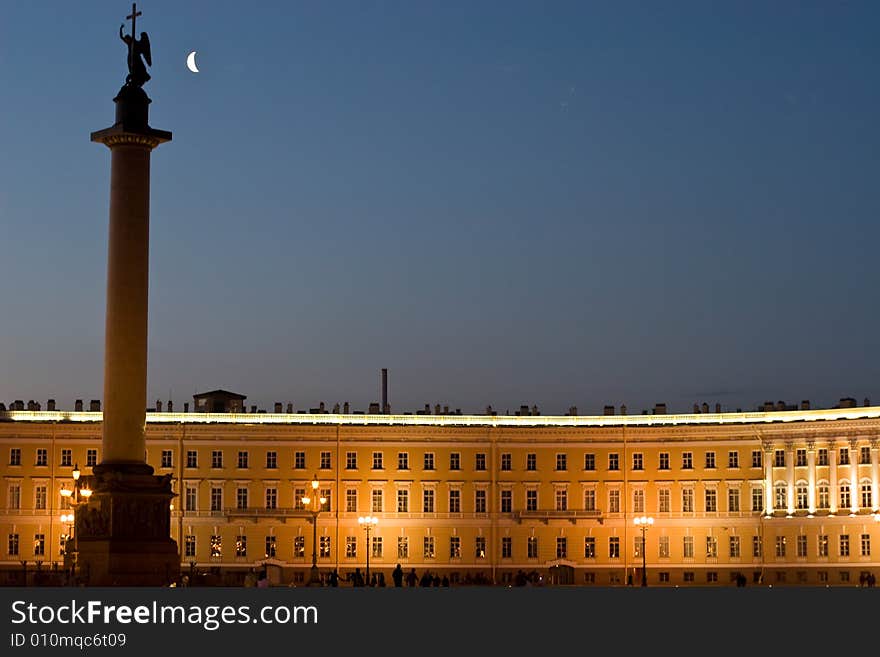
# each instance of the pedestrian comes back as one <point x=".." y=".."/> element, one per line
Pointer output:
<point x="357" y="578"/>
<point x="397" y="576"/>
<point x="412" y="578"/>
<point x="334" y="578"/>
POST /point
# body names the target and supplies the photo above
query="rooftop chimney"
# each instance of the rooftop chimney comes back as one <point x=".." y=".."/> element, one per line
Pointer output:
<point x="289" y="407"/>
<point x="50" y="405"/>
<point x="623" y="409"/>
<point x="170" y="406"/>
<point x="95" y="405"/>
<point x="717" y="407"/>
<point x="385" y="408"/>
<point x="158" y="405"/>
<point x="705" y="407"/>
<point x="345" y="408"/>
<point x="609" y="410"/>
<point x="186" y="407"/>
<point x="278" y="407"/>
<point x="660" y="409"/>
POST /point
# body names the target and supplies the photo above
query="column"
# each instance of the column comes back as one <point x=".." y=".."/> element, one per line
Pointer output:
<point x="833" y="493"/>
<point x="855" y="492"/>
<point x="811" y="476"/>
<point x="768" y="478"/>
<point x="875" y="475"/>
<point x="789" y="476"/>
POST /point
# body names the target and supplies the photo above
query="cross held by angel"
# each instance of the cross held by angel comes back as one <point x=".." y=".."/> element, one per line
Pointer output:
<point x="138" y="53"/>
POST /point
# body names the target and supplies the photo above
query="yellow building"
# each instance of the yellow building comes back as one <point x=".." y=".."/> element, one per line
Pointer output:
<point x="780" y="497"/>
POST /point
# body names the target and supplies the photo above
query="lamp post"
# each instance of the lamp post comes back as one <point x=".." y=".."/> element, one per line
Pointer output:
<point x="316" y="503"/>
<point x="643" y="522"/>
<point x="75" y="497"/>
<point x="368" y="523"/>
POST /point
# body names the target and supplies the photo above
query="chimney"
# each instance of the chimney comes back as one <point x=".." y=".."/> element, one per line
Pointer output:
<point x="374" y="408"/>
<point x="446" y="410"/>
<point x="705" y="407"/>
<point x="31" y="406"/>
<point x="717" y="407"/>
<point x="37" y="406"/>
<point x="95" y="405"/>
<point x="158" y="405"/>
<point x="385" y="408"/>
<point x="572" y="410"/>
<point x="609" y="410"/>
<point x="170" y="406"/>
<point x="321" y="408"/>
<point x="345" y="408"/>
<point x="780" y="405"/>
<point x="2" y="407"/>
<point x="696" y="407"/>
<point x="427" y="409"/>
<point x="289" y="407"/>
<point x="50" y="405"/>
<point x="277" y="407"/>
<point x="623" y="409"/>
<point x="867" y="402"/>
<point x="254" y="408"/>
<point x="336" y="408"/>
<point x="660" y="409"/>
<point x="186" y="407"/>
<point x="436" y="409"/>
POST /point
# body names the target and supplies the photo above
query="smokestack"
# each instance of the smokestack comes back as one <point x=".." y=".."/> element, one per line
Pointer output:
<point x="385" y="408"/>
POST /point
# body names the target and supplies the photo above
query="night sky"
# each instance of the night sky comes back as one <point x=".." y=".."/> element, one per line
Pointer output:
<point x="505" y="203"/>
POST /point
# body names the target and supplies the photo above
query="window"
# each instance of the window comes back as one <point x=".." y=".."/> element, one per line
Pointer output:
<point x="506" y="461"/>
<point x="865" y="455"/>
<point x="801" y="497"/>
<point x="663" y="547"/>
<point x="351" y="460"/>
<point x="12" y="547"/>
<point x="613" y="461"/>
<point x="67" y="458"/>
<point x="561" y="547"/>
<point x="866" y="496"/>
<point x="429" y="461"/>
<point x="757" y="499"/>
<point x="757" y="548"/>
<point x="711" y="500"/>
<point x="663" y="500"/>
<point x="91" y="458"/>
<point x="865" y="549"/>
<point x="271" y="460"/>
<point x="710" y="460"/>
<point x="532" y="547"/>
<point x="506" y="547"/>
<point x="455" y="461"/>
<point x="506" y="501"/>
<point x="733" y="459"/>
<point x="241" y="497"/>
<point x="166" y="458"/>
<point x="822" y="456"/>
<point x="403" y="460"/>
<point x="326" y="462"/>
<point x="403" y="500"/>
<point x="688" y="576"/>
<point x="844" y="545"/>
<point x="780" y="546"/>
<point x="480" y="500"/>
<point x="270" y="547"/>
<point x="403" y="547"/>
<point x="428" y="547"/>
<point x="42" y="456"/>
<point x="351" y="500"/>
<point x="734" y="547"/>
<point x="711" y="576"/>
<point x="39" y="545"/>
<point x="299" y="547"/>
<point x="15" y="456"/>
<point x="216" y="458"/>
<point x="844" y="496"/>
<point x="561" y="464"/>
<point x="241" y="545"/>
<point x="687" y="500"/>
<point x="242" y="459"/>
<point x="687" y="547"/>
<point x="687" y="461"/>
<point x="664" y="460"/>
<point x="590" y="499"/>
<point x="480" y="462"/>
<point x="614" y="547"/>
<point x="216" y="498"/>
<point x="480" y="547"/>
<point x="757" y="460"/>
<point x="376" y="501"/>
<point x="377" y="461"/>
<point x="844" y="456"/>
<point x="531" y="500"/>
<point x="638" y="500"/>
<point x="351" y="547"/>
<point x="589" y="462"/>
<point x="561" y="499"/>
<point x="326" y="494"/>
<point x="824" y="495"/>
<point x="779" y="458"/>
<point x="299" y="460"/>
<point x="189" y="546"/>
<point x="40" y="497"/>
<point x="801" y="546"/>
<point x="324" y="546"/>
<point x="455" y="547"/>
<point x="781" y="498"/>
<point x="638" y="546"/>
<point x="455" y="500"/>
<point x="638" y="461"/>
<point x="822" y="545"/>
<point x="271" y="498"/>
<point x="531" y="461"/>
<point x="800" y="457"/>
<point x="589" y="547"/>
<point x="190" y="498"/>
<point x="428" y="500"/>
<point x="192" y="460"/>
<point x="712" y="547"/>
<point x="614" y="501"/>
<point x="733" y="500"/>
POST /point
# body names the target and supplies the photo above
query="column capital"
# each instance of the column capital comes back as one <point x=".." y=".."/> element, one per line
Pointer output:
<point x="811" y="445"/>
<point x="789" y="445"/>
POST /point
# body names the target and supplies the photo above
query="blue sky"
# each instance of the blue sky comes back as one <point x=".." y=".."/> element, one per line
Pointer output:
<point x="566" y="203"/>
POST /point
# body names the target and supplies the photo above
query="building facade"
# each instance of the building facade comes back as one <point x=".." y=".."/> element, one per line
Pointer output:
<point x="784" y="498"/>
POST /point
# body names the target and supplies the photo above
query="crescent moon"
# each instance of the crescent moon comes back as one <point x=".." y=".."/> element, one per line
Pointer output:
<point x="191" y="62"/>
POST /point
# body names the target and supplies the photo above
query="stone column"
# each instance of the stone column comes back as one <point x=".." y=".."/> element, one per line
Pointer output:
<point x="789" y="477"/>
<point x="123" y="533"/>
<point x="855" y="487"/>
<point x="834" y="492"/>
<point x="811" y="476"/>
<point x="768" y="478"/>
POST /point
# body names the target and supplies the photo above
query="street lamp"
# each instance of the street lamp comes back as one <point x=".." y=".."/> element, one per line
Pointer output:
<point x="368" y="523"/>
<point x="316" y="503"/>
<point x="643" y="522"/>
<point x="75" y="497"/>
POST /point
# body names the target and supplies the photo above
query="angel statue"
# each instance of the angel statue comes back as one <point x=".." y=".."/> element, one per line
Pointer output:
<point x="137" y="71"/>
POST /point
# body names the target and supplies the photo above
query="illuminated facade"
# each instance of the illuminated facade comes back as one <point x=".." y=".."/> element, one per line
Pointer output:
<point x="783" y="498"/>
